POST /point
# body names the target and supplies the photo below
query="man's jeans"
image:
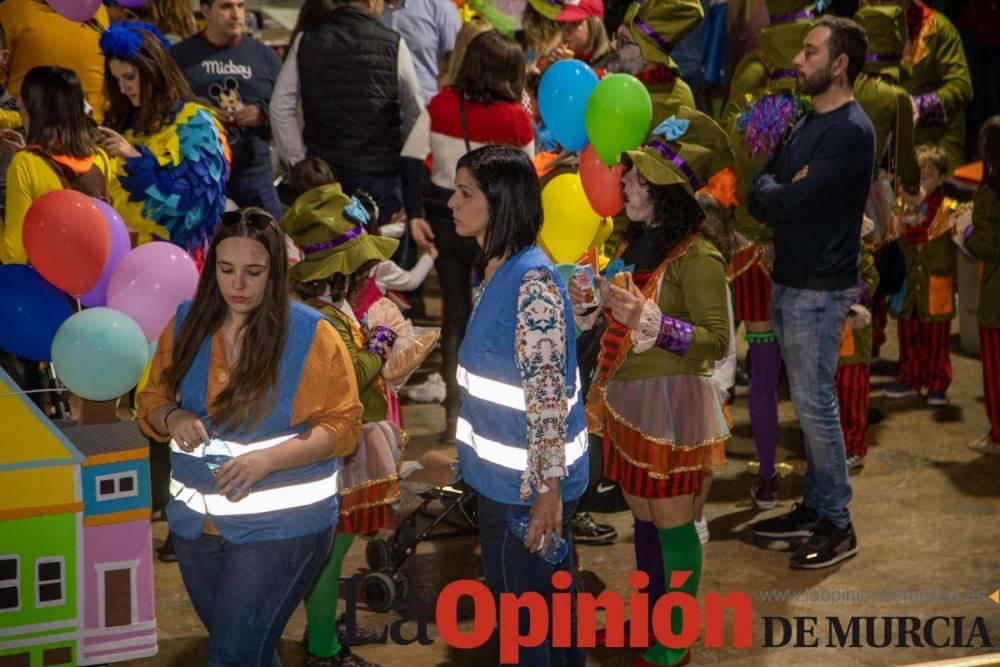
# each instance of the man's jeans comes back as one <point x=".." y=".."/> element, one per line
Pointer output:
<point x="808" y="325"/>
<point x="255" y="190"/>
<point x="245" y="593"/>
<point x="510" y="568"/>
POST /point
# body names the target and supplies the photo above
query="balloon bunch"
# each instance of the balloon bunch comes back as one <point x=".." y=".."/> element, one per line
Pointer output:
<point x="80" y="247"/>
<point x="598" y="119"/>
<point x="82" y="11"/>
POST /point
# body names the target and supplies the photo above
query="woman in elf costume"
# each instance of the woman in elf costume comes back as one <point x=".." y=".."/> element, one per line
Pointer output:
<point x="329" y="227"/>
<point x="762" y="105"/>
<point x="665" y="326"/>
<point x="170" y="154"/>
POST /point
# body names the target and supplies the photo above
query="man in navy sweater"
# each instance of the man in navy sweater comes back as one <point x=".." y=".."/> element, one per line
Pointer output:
<point x="237" y="73"/>
<point x="813" y="193"/>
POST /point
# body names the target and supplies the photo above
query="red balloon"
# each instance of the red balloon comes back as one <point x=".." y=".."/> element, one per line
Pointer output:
<point x="67" y="240"/>
<point x="601" y="184"/>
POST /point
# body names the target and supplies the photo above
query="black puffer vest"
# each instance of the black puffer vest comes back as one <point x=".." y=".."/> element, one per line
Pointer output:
<point x="348" y="74"/>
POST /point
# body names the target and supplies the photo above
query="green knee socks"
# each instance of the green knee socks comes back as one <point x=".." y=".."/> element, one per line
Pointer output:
<point x="681" y="552"/>
<point x="322" y="599"/>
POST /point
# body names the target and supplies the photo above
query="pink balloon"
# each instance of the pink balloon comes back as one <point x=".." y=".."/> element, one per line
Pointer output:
<point x="120" y="246"/>
<point x="149" y="284"/>
<point x="76" y="10"/>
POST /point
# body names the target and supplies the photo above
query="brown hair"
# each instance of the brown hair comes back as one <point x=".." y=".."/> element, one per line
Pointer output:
<point x="492" y="70"/>
<point x="341" y="286"/>
<point x="469" y="31"/>
<point x="717" y="227"/>
<point x="174" y="17"/>
<point x="162" y="88"/>
<point x="934" y="156"/>
<point x="312" y="172"/>
<point x="989" y="147"/>
<point x="598" y="44"/>
<point x="542" y="34"/>
<point x="57" y="120"/>
<point x="253" y="388"/>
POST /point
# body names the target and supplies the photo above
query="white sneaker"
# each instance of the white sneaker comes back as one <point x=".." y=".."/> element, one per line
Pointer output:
<point x="702" y="528"/>
<point x="432" y="390"/>
<point x="855" y="461"/>
<point x="985" y="445"/>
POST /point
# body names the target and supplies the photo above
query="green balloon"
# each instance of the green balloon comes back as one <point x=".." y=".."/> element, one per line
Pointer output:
<point x="99" y="353"/>
<point x="619" y="113"/>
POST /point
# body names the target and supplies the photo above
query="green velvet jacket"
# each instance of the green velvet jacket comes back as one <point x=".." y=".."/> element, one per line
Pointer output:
<point x="984" y="244"/>
<point x="858" y="350"/>
<point x="930" y="272"/>
<point x="888" y="107"/>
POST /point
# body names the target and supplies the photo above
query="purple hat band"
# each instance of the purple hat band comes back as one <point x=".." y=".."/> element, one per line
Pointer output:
<point x="334" y="242"/>
<point x="657" y="38"/>
<point x="678" y="161"/>
<point x="781" y="74"/>
<point x="787" y="18"/>
<point x="880" y="58"/>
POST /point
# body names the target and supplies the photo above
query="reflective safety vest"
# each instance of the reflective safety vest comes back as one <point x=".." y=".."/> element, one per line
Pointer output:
<point x="285" y="504"/>
<point x="492" y="430"/>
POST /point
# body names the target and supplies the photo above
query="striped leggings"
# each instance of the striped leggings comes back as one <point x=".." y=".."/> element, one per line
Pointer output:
<point x="853" y="391"/>
<point x="989" y="338"/>
<point x="924" y="357"/>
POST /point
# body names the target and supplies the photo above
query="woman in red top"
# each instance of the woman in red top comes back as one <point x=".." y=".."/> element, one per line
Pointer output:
<point x="483" y="106"/>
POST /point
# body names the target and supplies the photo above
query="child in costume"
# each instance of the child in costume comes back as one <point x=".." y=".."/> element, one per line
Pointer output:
<point x="927" y="301"/>
<point x="982" y="240"/>
<point x="762" y="105"/>
<point x="170" y="153"/>
<point x="329" y="227"/>
<point x="664" y="328"/>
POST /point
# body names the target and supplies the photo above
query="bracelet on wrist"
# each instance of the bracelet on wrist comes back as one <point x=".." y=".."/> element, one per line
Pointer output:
<point x="167" y="416"/>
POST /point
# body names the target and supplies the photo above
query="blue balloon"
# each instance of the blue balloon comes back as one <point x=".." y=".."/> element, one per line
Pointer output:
<point x="31" y="311"/>
<point x="99" y="353"/>
<point x="562" y="101"/>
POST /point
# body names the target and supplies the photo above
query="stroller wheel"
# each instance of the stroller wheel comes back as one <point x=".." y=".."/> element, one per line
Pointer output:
<point x="377" y="554"/>
<point x="378" y="591"/>
<point x="402" y="584"/>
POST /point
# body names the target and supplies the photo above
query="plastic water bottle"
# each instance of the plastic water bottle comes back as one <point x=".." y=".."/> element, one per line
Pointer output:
<point x="216" y="454"/>
<point x="557" y="548"/>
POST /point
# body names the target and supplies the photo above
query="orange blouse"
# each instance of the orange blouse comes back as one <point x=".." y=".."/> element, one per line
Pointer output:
<point x="327" y="395"/>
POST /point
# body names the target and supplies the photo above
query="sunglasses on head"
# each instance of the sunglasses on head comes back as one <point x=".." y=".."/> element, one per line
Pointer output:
<point x="257" y="218"/>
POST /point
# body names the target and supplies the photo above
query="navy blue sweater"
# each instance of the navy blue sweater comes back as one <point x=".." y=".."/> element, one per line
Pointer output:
<point x="817" y="219"/>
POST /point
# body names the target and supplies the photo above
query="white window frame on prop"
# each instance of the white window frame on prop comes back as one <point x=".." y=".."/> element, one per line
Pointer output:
<point x="61" y="561"/>
<point x="116" y="479"/>
<point x="14" y="583"/>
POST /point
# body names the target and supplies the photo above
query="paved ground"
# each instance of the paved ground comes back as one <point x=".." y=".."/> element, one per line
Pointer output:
<point x="925" y="507"/>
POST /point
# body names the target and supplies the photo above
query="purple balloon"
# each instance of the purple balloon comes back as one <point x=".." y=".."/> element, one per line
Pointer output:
<point x="149" y="284"/>
<point x="132" y="4"/>
<point x="120" y="246"/>
<point x="76" y="10"/>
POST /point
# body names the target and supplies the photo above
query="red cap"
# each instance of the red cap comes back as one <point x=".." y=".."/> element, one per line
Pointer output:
<point x="578" y="10"/>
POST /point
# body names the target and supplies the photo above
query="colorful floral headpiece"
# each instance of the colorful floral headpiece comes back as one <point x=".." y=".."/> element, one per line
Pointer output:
<point x="123" y="39"/>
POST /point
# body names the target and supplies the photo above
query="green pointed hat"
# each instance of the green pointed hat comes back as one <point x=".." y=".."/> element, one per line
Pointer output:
<point x="780" y="44"/>
<point x="329" y="227"/>
<point x="688" y="149"/>
<point x="657" y="26"/>
<point x="547" y="8"/>
<point x="885" y="26"/>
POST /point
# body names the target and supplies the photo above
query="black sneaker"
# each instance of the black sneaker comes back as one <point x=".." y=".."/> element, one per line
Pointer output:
<point x="765" y="492"/>
<point x="800" y="522"/>
<point x="362" y="635"/>
<point x="588" y="531"/>
<point x="827" y="546"/>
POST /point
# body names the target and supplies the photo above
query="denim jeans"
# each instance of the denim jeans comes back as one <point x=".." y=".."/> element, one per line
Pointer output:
<point x="385" y="188"/>
<point x="245" y="593"/>
<point x="808" y="324"/>
<point x="510" y="568"/>
<point x="255" y="190"/>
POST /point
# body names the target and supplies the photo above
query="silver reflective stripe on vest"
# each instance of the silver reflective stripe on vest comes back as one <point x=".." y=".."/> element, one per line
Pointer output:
<point x="512" y="456"/>
<point x="268" y="500"/>
<point x="511" y="396"/>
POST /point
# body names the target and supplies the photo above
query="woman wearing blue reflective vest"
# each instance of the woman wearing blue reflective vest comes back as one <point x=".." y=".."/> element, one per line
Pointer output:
<point x="259" y="401"/>
<point x="522" y="439"/>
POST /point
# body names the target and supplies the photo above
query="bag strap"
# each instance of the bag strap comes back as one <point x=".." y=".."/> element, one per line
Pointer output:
<point x="461" y="117"/>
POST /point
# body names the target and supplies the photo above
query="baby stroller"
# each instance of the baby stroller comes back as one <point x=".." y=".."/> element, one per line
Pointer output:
<point x="433" y="479"/>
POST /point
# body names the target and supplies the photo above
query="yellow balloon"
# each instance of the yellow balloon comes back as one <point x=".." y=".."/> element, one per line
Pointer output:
<point x="145" y="377"/>
<point x="569" y="224"/>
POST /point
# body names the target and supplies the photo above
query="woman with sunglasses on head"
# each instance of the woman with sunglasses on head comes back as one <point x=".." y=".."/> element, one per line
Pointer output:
<point x="666" y="302"/>
<point x="522" y="440"/>
<point x="171" y="157"/>
<point x="258" y="399"/>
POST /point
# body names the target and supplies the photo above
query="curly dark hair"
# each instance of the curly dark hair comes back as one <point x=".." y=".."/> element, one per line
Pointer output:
<point x="676" y="216"/>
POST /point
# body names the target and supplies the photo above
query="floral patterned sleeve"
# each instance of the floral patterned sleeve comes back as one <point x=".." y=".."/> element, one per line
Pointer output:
<point x="541" y="356"/>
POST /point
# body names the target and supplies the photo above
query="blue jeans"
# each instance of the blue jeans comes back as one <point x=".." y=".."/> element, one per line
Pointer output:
<point x="808" y="324"/>
<point x="245" y="593"/>
<point x="255" y="190"/>
<point x="386" y="189"/>
<point x="510" y="568"/>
